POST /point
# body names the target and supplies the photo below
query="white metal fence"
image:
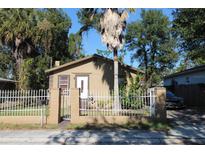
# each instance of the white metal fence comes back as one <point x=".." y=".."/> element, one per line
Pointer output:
<point x="130" y="104"/>
<point x="24" y="102"/>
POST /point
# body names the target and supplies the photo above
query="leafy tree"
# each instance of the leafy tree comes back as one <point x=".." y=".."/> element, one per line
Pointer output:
<point x="26" y="74"/>
<point x="5" y="64"/>
<point x="34" y="33"/>
<point x="17" y="28"/>
<point x="89" y="19"/>
<point x="189" y="29"/>
<point x="152" y="44"/>
<point x="53" y="28"/>
<point x="75" y="44"/>
<point x="32" y="74"/>
<point x="127" y="93"/>
<point x="108" y="54"/>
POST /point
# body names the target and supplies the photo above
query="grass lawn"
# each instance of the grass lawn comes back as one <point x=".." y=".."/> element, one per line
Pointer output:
<point x="28" y="111"/>
<point x="4" y="126"/>
<point x="141" y="125"/>
<point x="156" y="126"/>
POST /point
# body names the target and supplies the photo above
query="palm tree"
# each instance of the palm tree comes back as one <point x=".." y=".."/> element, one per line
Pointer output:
<point x="113" y="23"/>
<point x="17" y="32"/>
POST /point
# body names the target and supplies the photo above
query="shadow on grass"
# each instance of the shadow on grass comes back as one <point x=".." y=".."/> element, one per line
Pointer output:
<point x="182" y="127"/>
<point x="141" y="132"/>
<point x="141" y="125"/>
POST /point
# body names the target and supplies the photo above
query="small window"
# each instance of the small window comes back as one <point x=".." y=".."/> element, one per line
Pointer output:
<point x="63" y="82"/>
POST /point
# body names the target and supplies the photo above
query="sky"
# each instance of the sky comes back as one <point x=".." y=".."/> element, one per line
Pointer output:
<point x="92" y="41"/>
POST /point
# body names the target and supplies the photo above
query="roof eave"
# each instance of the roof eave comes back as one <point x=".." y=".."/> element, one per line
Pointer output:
<point x="90" y="57"/>
<point x="189" y="71"/>
<point x="67" y="64"/>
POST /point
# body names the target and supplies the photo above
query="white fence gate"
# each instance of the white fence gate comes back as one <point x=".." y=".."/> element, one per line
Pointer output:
<point x="152" y="101"/>
<point x="65" y="111"/>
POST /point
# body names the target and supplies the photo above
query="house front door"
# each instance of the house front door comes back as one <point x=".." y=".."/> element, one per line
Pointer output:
<point x="82" y="83"/>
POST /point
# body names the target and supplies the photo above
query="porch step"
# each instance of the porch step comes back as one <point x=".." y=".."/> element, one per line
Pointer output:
<point x="63" y="124"/>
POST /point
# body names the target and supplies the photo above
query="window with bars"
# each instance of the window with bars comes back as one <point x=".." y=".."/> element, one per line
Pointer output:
<point x="63" y="81"/>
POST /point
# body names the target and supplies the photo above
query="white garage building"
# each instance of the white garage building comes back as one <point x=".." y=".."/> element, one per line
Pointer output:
<point x="191" y="76"/>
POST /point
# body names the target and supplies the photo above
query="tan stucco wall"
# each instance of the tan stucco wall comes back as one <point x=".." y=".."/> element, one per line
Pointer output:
<point x="106" y="119"/>
<point x="160" y="108"/>
<point x="21" y="119"/>
<point x="54" y="107"/>
<point x="100" y="74"/>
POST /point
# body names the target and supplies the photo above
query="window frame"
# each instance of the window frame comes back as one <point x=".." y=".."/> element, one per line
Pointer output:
<point x="68" y="81"/>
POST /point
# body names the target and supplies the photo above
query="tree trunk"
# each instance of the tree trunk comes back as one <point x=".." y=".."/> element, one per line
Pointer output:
<point x="18" y="61"/>
<point x="146" y="67"/>
<point x="117" y="104"/>
<point x="153" y="51"/>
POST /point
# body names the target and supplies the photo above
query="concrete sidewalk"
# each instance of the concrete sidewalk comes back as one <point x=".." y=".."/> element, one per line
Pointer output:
<point x="97" y="137"/>
<point x="188" y="128"/>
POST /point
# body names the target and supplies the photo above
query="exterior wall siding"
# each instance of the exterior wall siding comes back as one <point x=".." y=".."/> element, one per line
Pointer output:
<point x="100" y="75"/>
<point x="187" y="79"/>
<point x="21" y="119"/>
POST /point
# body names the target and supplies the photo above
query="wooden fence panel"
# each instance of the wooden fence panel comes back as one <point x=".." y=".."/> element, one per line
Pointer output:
<point x="194" y="95"/>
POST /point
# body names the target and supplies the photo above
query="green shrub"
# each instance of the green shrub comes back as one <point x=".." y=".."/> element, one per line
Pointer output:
<point x="129" y="96"/>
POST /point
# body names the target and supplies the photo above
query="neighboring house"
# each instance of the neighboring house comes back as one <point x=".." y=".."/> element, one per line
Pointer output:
<point x="191" y="76"/>
<point x="90" y="74"/>
<point x="189" y="84"/>
<point x="7" y="84"/>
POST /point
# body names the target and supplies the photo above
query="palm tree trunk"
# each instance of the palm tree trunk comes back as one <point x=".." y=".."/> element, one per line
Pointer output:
<point x="116" y="84"/>
<point x="18" y="61"/>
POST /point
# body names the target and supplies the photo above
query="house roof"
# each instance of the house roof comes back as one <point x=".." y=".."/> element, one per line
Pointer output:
<point x="89" y="58"/>
<point x="188" y="71"/>
<point x="6" y="80"/>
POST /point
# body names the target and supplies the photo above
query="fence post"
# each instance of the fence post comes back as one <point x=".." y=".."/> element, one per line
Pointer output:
<point x="75" y="105"/>
<point x="54" y="106"/>
<point x="160" y="113"/>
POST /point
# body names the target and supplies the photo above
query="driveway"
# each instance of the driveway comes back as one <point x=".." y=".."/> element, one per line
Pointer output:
<point x="188" y="124"/>
<point x="188" y="128"/>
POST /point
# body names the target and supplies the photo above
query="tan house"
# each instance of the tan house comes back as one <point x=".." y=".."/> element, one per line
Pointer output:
<point x="92" y="73"/>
